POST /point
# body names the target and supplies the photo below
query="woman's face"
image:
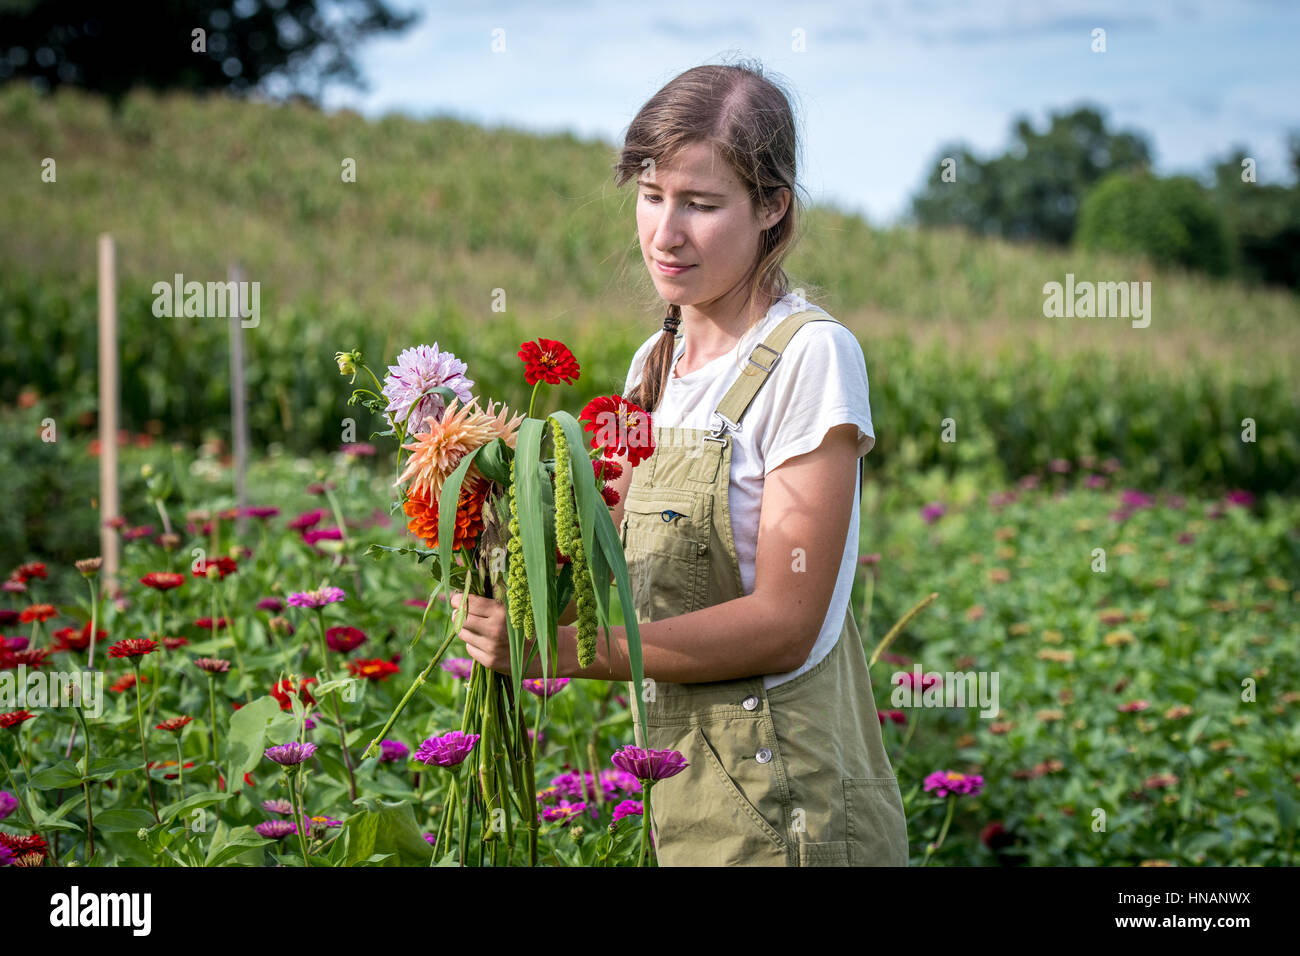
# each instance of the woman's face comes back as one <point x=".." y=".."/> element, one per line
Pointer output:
<point x="695" y="213"/>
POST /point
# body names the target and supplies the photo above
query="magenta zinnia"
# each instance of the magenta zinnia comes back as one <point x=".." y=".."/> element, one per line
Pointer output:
<point x="649" y="764"/>
<point x="945" y="782"/>
<point x="275" y="829"/>
<point x="316" y="599"/>
<point x="291" y="754"/>
<point x="449" y="750"/>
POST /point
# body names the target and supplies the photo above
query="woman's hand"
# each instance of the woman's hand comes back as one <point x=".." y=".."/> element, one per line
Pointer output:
<point x="484" y="631"/>
<point x="487" y="640"/>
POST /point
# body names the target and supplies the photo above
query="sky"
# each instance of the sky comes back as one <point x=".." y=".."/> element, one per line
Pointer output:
<point x="878" y="86"/>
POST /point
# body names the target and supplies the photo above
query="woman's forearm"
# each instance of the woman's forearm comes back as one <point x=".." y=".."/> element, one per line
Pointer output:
<point x="734" y="639"/>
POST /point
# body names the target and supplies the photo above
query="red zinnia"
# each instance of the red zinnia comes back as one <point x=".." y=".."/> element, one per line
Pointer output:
<point x="133" y="647"/>
<point x="162" y="580"/>
<point x="377" y="669"/>
<point x="23" y="845"/>
<point x="38" y="612"/>
<point x="174" y="724"/>
<point x="172" y="643"/>
<point x="620" y="427"/>
<point x="126" y="682"/>
<point x="606" y="469"/>
<point x="344" y="639"/>
<point x="207" y="624"/>
<point x="548" y="361"/>
<point x="74" y="639"/>
<point x="32" y="657"/>
<point x="14" y="718"/>
<point x="223" y="565"/>
<point x="33" y="569"/>
<point x="284" y="688"/>
<point x="610" y="495"/>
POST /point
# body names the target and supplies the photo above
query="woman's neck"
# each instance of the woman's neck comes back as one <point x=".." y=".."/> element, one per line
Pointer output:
<point x="713" y="328"/>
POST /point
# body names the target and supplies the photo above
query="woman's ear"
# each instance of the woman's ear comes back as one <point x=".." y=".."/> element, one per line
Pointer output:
<point x="776" y="207"/>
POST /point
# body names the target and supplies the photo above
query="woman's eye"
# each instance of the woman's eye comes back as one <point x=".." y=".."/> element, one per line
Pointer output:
<point x="702" y="208"/>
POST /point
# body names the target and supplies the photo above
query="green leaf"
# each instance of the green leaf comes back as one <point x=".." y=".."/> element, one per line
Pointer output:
<point x="129" y="820"/>
<point x="192" y="802"/>
<point x="62" y="775"/>
<point x="377" y="551"/>
<point x="604" y="549"/>
<point x="447" y="503"/>
<point x="530" y="474"/>
<point x="103" y="768"/>
<point x="387" y="829"/>
<point x="226" y="847"/>
<point x="246" y="736"/>
<point x="494" y="461"/>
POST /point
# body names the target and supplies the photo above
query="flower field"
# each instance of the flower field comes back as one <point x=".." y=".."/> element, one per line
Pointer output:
<point x="1147" y="713"/>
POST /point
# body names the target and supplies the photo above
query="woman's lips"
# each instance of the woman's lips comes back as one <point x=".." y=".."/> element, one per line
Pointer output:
<point x="670" y="271"/>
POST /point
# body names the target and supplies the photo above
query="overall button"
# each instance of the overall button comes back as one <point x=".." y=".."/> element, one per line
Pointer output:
<point x="703" y="548"/>
<point x="750" y="702"/>
<point x="763" y="756"/>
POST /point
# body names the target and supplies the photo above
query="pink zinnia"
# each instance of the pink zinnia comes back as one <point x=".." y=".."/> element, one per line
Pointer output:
<point x="545" y="688"/>
<point x="458" y="666"/>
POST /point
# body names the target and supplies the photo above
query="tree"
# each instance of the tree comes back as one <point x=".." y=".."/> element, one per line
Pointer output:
<point x="1033" y="190"/>
<point x="1263" y="220"/>
<point x="1173" y="222"/>
<point x="189" y="44"/>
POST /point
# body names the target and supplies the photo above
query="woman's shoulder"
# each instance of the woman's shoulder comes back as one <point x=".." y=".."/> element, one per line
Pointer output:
<point x="823" y="338"/>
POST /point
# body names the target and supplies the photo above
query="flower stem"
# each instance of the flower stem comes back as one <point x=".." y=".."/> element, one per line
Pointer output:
<point x="144" y="750"/>
<point x="410" y="691"/>
<point x="531" y="400"/>
<point x="338" y="713"/>
<point x="212" y="722"/>
<point x="644" y="853"/>
<point x="932" y="848"/>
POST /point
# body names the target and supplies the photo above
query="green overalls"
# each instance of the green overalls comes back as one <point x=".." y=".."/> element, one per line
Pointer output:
<point x="794" y="776"/>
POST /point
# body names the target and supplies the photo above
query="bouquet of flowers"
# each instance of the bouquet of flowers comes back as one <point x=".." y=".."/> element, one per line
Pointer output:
<point x="501" y="521"/>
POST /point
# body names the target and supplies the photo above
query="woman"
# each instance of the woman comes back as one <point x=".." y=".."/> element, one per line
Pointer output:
<point x="741" y="529"/>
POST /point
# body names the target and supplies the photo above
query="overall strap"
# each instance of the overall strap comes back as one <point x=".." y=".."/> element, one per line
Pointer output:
<point x="762" y="358"/>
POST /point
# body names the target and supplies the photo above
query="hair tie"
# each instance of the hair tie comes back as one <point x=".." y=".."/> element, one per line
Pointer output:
<point x="671" y="322"/>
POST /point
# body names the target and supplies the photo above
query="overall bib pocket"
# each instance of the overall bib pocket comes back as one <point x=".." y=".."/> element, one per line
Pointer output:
<point x="877" y="823"/>
<point x="668" y="554"/>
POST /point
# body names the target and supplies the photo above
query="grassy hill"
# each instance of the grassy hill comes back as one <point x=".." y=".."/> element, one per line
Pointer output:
<point x="444" y="213"/>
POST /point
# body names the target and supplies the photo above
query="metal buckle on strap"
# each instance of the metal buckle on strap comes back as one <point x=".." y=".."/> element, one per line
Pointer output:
<point x="765" y="368"/>
<point x="726" y="424"/>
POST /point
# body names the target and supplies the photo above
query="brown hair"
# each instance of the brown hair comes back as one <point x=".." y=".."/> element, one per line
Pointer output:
<point x="748" y="119"/>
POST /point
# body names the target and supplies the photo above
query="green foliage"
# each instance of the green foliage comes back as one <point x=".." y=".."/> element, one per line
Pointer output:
<point x="1173" y="222"/>
<point x="1033" y="190"/>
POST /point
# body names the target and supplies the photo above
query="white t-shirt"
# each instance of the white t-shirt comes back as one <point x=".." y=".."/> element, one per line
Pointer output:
<point x="819" y="382"/>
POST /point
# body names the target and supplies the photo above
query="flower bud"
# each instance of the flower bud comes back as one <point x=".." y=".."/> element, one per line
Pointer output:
<point x="89" y="567"/>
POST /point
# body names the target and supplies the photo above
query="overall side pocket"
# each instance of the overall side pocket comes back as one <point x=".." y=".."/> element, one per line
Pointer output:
<point x="876" y="821"/>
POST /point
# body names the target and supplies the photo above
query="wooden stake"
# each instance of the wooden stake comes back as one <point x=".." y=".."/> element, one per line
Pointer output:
<point x="238" y="406"/>
<point x="108" y="398"/>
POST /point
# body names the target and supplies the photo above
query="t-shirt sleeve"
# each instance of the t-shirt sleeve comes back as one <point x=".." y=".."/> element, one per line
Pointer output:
<point x="822" y="384"/>
<point x="638" y="363"/>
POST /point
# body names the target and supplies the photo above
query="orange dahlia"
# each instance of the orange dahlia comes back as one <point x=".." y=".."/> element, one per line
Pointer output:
<point x="436" y="453"/>
<point x="469" y="515"/>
